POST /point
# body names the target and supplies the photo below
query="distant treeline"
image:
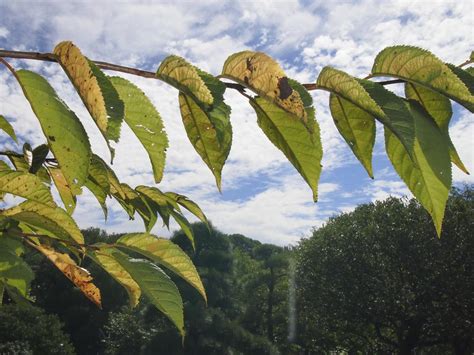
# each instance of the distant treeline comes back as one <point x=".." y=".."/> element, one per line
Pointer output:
<point x="374" y="281"/>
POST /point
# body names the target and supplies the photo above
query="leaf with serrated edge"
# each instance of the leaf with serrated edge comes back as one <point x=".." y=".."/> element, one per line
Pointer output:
<point x="66" y="136"/>
<point x="261" y="74"/>
<point x="25" y="185"/>
<point x="430" y="179"/>
<point x="209" y="132"/>
<point x="68" y="198"/>
<point x="98" y="173"/>
<point x="96" y="91"/>
<point x="79" y="276"/>
<point x="370" y="97"/>
<point x="191" y="206"/>
<point x="156" y="286"/>
<point x="99" y="194"/>
<point x="140" y="205"/>
<point x="114" y="183"/>
<point x="177" y="72"/>
<point x="421" y="67"/>
<point x="439" y="107"/>
<point x="7" y="128"/>
<point x="301" y="146"/>
<point x="145" y="121"/>
<point x="357" y="127"/>
<point x="185" y="226"/>
<point x="104" y="257"/>
<point x="54" y="220"/>
<point x="166" y="253"/>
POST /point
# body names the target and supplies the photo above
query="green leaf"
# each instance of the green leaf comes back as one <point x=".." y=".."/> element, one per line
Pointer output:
<point x="7" y="128"/>
<point x="100" y="174"/>
<point x="166" y="253"/>
<point x="99" y="194"/>
<point x="191" y="206"/>
<point x="421" y="67"/>
<point x="465" y="77"/>
<point x="68" y="198"/>
<point x="95" y="89"/>
<point x="105" y="258"/>
<point x="470" y="71"/>
<point x="430" y="179"/>
<point x="179" y="73"/>
<point x="261" y="74"/>
<point x="288" y="133"/>
<point x="185" y="226"/>
<point x="140" y="205"/>
<point x="25" y="185"/>
<point x="145" y="122"/>
<point x="439" y="107"/>
<point x="209" y="132"/>
<point x="304" y="94"/>
<point x="51" y="219"/>
<point x="14" y="271"/>
<point x="157" y="287"/>
<point x="66" y="136"/>
<point x="39" y="155"/>
<point x="373" y="98"/>
<point x="357" y="127"/>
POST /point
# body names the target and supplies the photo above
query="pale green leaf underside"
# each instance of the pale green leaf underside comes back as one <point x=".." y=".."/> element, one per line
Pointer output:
<point x="191" y="206"/>
<point x="185" y="77"/>
<point x="209" y="132"/>
<point x="140" y="205"/>
<point x="7" y="128"/>
<point x="166" y="253"/>
<point x="421" y="67"/>
<point x="156" y="286"/>
<point x="65" y="134"/>
<point x="99" y="194"/>
<point x="439" y="107"/>
<point x="105" y="258"/>
<point x="357" y="127"/>
<point x="25" y="185"/>
<point x="51" y="219"/>
<point x="184" y="225"/>
<point x="145" y="121"/>
<point x="289" y="134"/>
<point x="372" y="98"/>
<point x="430" y="179"/>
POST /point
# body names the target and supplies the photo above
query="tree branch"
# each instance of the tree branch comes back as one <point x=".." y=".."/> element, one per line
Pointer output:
<point x="50" y="57"/>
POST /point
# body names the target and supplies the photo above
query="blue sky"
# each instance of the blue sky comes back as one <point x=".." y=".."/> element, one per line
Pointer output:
<point x="263" y="197"/>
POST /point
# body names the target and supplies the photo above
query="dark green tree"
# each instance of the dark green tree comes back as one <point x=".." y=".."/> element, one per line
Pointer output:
<point x="380" y="280"/>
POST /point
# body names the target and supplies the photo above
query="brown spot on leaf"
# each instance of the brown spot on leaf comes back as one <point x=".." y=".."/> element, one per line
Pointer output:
<point x="285" y="88"/>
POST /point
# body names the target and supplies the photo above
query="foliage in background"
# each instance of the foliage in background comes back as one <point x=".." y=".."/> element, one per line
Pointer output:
<point x="377" y="280"/>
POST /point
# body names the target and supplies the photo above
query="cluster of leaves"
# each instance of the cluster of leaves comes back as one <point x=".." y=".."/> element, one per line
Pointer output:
<point x="416" y="134"/>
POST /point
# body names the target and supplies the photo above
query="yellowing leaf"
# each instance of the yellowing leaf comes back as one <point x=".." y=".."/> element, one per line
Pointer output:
<point x="357" y="127"/>
<point x="7" y="128"/>
<point x="145" y="121"/>
<point x="68" y="198"/>
<point x="288" y="133"/>
<point x="25" y="185"/>
<point x="421" y="67"/>
<point x="179" y="73"/>
<point x="166" y="253"/>
<point x="51" y="219"/>
<point x="105" y="258"/>
<point x="439" y="107"/>
<point x="66" y="135"/>
<point x="157" y="287"/>
<point x="210" y="132"/>
<point x="261" y="74"/>
<point x="430" y="179"/>
<point x="79" y="276"/>
<point x="95" y="89"/>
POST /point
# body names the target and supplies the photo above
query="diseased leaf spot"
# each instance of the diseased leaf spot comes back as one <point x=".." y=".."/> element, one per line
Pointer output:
<point x="285" y="88"/>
